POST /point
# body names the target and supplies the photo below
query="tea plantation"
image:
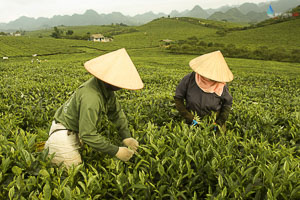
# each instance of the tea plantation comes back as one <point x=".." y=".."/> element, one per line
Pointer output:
<point x="256" y="158"/>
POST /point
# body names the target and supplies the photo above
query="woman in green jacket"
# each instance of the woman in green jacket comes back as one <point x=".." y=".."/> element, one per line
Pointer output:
<point x="77" y="119"/>
<point x="205" y="91"/>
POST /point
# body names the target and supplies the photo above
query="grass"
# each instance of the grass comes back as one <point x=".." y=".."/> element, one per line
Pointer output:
<point x="78" y="30"/>
<point x="283" y="35"/>
<point x="258" y="156"/>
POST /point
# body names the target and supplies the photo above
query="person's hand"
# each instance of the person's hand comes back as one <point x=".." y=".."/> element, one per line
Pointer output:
<point x="215" y="127"/>
<point x="124" y="154"/>
<point x="194" y="123"/>
<point x="131" y="143"/>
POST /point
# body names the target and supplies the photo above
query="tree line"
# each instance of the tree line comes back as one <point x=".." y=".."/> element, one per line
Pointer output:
<point x="193" y="46"/>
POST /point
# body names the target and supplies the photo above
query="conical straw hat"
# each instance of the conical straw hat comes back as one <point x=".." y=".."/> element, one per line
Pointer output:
<point x="117" y="69"/>
<point x="212" y="66"/>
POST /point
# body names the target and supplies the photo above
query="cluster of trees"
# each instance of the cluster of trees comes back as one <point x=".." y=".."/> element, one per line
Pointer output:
<point x="117" y="29"/>
<point x="118" y="24"/>
<point x="12" y="33"/>
<point x="68" y="34"/>
<point x="58" y="33"/>
<point x="193" y="46"/>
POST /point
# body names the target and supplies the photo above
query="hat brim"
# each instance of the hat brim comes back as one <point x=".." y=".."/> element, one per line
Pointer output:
<point x="117" y="69"/>
<point x="212" y="66"/>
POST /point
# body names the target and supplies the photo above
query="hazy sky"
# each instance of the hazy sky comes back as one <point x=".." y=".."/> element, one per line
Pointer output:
<point x="13" y="9"/>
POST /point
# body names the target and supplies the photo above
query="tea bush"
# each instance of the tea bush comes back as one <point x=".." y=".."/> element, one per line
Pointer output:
<point x="256" y="158"/>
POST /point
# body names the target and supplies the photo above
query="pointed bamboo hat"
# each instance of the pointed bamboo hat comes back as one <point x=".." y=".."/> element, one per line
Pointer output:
<point x="117" y="69"/>
<point x="212" y="66"/>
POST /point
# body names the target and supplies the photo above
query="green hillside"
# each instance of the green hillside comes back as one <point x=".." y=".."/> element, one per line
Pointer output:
<point x="282" y="37"/>
<point x="25" y="46"/>
<point x="79" y="30"/>
<point x="278" y="41"/>
<point x="256" y="157"/>
<point x="151" y="34"/>
<point x="146" y="36"/>
<point x="285" y="35"/>
<point x="235" y="15"/>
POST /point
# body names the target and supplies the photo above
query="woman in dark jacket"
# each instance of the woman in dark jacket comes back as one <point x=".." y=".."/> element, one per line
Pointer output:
<point x="204" y="90"/>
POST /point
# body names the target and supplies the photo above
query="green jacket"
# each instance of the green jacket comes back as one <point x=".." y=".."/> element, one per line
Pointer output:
<point x="84" y="109"/>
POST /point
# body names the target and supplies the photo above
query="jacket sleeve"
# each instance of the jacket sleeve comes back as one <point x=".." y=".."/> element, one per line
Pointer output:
<point x="226" y="107"/>
<point x="88" y="117"/>
<point x="183" y="111"/>
<point x="117" y="116"/>
<point x="223" y="116"/>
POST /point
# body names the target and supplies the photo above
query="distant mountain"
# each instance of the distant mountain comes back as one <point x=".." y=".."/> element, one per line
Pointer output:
<point x="245" y="13"/>
<point x="144" y="18"/>
<point x="90" y="17"/>
<point x="232" y="15"/>
<point x="249" y="7"/>
<point x="253" y="13"/>
<point x="174" y="13"/>
<point x="197" y="12"/>
<point x="221" y="9"/>
<point x="255" y="17"/>
<point x="235" y="15"/>
<point x="279" y="6"/>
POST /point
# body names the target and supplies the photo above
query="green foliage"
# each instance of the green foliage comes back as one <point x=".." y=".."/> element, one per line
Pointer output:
<point x="193" y="46"/>
<point x="221" y="32"/>
<point x="182" y="30"/>
<point x="69" y="32"/>
<point x="283" y="34"/>
<point x="26" y="47"/>
<point x="57" y="33"/>
<point x="256" y="158"/>
<point x="3" y="33"/>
